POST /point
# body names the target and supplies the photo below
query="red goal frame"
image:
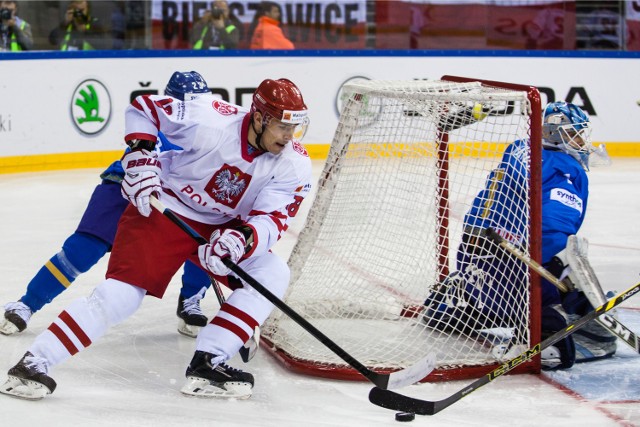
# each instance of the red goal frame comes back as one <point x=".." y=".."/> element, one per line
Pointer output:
<point x="342" y="372"/>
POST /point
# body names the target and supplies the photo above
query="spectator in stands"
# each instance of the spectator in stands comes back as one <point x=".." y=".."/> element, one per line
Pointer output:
<point x="118" y="25"/>
<point x="15" y="33"/>
<point x="268" y="34"/>
<point x="601" y="29"/>
<point x="78" y="30"/>
<point x="216" y="29"/>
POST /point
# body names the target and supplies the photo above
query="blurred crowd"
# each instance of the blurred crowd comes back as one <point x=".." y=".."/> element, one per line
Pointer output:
<point x="306" y="24"/>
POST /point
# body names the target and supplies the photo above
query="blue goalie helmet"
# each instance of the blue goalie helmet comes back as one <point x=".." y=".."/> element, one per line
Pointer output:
<point x="567" y="128"/>
<point x="186" y="85"/>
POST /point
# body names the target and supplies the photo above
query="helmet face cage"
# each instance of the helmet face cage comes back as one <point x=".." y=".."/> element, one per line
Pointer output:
<point x="186" y="86"/>
<point x="567" y="128"/>
<point x="281" y="100"/>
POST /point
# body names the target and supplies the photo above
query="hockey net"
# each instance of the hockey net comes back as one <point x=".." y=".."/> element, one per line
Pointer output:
<point x="407" y="159"/>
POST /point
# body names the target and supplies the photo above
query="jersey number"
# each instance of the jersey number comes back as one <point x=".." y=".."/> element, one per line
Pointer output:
<point x="292" y="209"/>
<point x="498" y="175"/>
<point x="165" y="104"/>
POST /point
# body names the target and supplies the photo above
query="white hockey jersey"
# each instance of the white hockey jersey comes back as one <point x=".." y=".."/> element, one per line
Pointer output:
<point x="216" y="177"/>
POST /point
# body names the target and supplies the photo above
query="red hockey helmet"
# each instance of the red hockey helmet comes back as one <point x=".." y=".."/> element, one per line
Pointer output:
<point x="282" y="100"/>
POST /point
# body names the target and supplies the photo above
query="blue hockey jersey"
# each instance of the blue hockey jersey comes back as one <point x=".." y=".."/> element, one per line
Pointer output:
<point x="502" y="204"/>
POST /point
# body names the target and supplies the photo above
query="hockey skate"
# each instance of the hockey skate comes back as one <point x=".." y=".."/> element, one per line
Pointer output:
<point x="190" y="315"/>
<point x="449" y="308"/>
<point x="16" y="317"/>
<point x="28" y="379"/>
<point x="207" y="377"/>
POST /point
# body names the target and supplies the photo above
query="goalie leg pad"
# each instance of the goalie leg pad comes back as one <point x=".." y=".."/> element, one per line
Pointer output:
<point x="563" y="353"/>
<point x="576" y="303"/>
<point x="593" y="342"/>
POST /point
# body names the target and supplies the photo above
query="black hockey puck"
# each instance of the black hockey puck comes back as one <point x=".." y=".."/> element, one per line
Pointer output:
<point x="405" y="416"/>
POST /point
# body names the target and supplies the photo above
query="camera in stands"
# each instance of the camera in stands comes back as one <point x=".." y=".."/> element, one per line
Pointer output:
<point x="6" y="14"/>
<point x="77" y="13"/>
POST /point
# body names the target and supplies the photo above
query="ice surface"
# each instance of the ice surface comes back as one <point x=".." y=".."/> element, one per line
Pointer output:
<point x="132" y="376"/>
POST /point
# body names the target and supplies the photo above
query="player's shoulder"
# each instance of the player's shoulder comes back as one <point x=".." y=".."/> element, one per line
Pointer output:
<point x="211" y="111"/>
<point x="296" y="152"/>
<point x="215" y="104"/>
<point x="562" y="161"/>
<point x="221" y="107"/>
<point x="296" y="157"/>
<point x="519" y="149"/>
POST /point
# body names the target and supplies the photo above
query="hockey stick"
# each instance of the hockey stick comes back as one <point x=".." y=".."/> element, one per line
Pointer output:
<point x="390" y="400"/>
<point x="509" y="247"/>
<point x="249" y="349"/>
<point x="384" y="381"/>
<point x="608" y="322"/>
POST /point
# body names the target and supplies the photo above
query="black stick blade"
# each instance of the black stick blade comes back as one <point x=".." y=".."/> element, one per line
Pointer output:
<point x="397" y="402"/>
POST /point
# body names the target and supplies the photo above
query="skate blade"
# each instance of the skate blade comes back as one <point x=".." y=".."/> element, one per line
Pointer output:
<point x="201" y="387"/>
<point x="8" y="328"/>
<point x="24" y="389"/>
<point x="188" y="330"/>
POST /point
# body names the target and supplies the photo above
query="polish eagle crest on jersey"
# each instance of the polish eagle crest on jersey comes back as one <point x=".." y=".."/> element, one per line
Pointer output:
<point x="224" y="108"/>
<point x="228" y="185"/>
<point x="299" y="148"/>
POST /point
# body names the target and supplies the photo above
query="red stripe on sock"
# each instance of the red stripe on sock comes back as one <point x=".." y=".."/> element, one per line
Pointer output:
<point x="236" y="312"/>
<point x="64" y="339"/>
<point x="75" y="328"/>
<point x="231" y="327"/>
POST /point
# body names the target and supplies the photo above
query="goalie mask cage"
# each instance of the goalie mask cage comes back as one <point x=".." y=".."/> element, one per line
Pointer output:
<point x="406" y="161"/>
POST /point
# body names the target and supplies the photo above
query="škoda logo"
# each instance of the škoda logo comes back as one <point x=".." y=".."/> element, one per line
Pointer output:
<point x="90" y="107"/>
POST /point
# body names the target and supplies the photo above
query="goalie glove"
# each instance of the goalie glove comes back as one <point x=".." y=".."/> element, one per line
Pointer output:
<point x="141" y="179"/>
<point x="230" y="244"/>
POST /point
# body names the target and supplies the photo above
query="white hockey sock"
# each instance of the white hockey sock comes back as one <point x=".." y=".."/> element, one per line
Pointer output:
<point x="234" y="324"/>
<point x="86" y="320"/>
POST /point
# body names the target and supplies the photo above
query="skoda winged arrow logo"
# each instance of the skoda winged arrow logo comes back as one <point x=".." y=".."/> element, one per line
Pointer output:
<point x="90" y="107"/>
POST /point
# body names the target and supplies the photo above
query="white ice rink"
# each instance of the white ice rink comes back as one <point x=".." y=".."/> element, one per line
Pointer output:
<point x="133" y="375"/>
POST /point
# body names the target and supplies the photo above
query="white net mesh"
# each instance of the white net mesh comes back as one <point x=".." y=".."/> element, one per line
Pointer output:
<point x="406" y="162"/>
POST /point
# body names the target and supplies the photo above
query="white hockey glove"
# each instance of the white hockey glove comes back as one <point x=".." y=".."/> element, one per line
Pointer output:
<point x="228" y="244"/>
<point x="141" y="179"/>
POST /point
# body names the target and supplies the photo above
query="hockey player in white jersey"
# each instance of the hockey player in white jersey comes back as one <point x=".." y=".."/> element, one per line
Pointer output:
<point x="239" y="178"/>
<point x="94" y="238"/>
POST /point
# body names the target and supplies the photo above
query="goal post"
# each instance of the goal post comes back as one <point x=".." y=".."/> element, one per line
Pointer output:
<point x="406" y="162"/>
